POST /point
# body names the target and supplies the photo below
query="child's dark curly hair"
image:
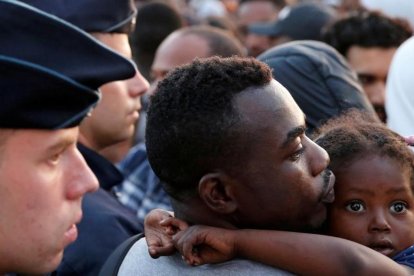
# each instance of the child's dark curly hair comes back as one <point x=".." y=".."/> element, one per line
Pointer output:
<point x="355" y="135"/>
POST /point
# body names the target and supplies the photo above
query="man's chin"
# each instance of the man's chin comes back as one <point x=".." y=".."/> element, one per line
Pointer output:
<point x="44" y="266"/>
<point x="54" y="262"/>
<point x="310" y="226"/>
<point x="315" y="225"/>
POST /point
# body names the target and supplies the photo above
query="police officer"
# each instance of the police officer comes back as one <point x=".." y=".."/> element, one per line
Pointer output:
<point x="50" y="72"/>
<point x="106" y="222"/>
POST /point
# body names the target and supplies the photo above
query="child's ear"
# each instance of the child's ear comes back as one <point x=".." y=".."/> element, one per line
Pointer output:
<point x="215" y="190"/>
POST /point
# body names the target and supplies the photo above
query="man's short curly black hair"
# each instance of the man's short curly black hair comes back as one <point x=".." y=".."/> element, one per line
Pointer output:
<point x="193" y="126"/>
<point x="353" y="136"/>
<point x="367" y="29"/>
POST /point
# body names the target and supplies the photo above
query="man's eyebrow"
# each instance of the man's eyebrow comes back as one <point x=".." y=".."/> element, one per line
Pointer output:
<point x="61" y="144"/>
<point x="291" y="135"/>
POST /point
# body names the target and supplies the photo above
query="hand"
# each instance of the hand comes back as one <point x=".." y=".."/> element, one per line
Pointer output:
<point x="409" y="140"/>
<point x="158" y="235"/>
<point x="204" y="244"/>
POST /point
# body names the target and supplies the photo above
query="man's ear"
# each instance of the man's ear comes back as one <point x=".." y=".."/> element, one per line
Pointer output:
<point x="215" y="190"/>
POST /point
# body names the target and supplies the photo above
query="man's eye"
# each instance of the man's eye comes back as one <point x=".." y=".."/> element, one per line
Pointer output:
<point x="398" y="207"/>
<point x="55" y="158"/>
<point x="366" y="79"/>
<point x="355" y="206"/>
<point x="297" y="154"/>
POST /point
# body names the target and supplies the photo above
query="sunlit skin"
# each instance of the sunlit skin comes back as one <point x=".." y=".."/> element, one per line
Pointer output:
<point x="43" y="178"/>
<point x="114" y="118"/>
<point x="257" y="44"/>
<point x="255" y="11"/>
<point x="176" y="50"/>
<point x="372" y="65"/>
<point x="280" y="164"/>
<point x="374" y="205"/>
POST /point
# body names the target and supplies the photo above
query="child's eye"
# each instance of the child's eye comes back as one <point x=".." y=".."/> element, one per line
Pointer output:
<point x="297" y="154"/>
<point x="398" y="207"/>
<point x="355" y="206"/>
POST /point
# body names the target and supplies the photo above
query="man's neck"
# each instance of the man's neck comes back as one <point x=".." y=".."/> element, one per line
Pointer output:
<point x="83" y="139"/>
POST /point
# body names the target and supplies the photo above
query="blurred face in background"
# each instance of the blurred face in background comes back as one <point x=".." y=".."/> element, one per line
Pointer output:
<point x="174" y="51"/>
<point x="256" y="12"/>
<point x="372" y="66"/>
<point x="113" y="120"/>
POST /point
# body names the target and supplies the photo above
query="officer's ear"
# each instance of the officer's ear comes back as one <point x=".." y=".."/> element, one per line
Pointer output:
<point x="215" y="189"/>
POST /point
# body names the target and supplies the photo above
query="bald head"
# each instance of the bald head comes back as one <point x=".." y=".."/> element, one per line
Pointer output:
<point x="184" y="45"/>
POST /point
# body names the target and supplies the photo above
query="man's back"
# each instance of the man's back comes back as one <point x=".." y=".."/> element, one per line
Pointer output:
<point x="139" y="262"/>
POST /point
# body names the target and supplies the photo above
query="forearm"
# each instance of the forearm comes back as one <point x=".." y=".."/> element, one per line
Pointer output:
<point x="312" y="254"/>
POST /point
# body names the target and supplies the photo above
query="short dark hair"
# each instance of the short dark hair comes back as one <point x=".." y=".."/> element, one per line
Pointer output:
<point x="276" y="3"/>
<point x="151" y="31"/>
<point x="193" y="126"/>
<point x="367" y="29"/>
<point x="355" y="135"/>
<point x="220" y="42"/>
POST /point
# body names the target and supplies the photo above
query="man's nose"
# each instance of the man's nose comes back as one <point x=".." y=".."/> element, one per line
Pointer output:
<point x="82" y="180"/>
<point x="137" y="85"/>
<point x="319" y="158"/>
<point x="376" y="94"/>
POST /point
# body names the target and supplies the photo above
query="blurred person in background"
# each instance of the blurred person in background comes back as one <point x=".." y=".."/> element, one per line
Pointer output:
<point x="256" y="11"/>
<point x="399" y="102"/>
<point x="368" y="40"/>
<point x="156" y="20"/>
<point x="298" y="22"/>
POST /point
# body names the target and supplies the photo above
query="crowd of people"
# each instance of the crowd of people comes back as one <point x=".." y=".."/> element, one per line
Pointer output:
<point x="206" y="137"/>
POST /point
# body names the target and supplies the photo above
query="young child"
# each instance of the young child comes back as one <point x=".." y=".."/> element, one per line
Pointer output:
<point x="374" y="206"/>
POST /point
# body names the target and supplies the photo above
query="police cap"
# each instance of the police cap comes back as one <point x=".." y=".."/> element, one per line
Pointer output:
<point x="50" y="70"/>
<point x="102" y="16"/>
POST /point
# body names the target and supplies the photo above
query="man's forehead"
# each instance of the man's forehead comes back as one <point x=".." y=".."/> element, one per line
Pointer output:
<point x="274" y="95"/>
<point x="45" y="138"/>
<point x="271" y="101"/>
<point x="174" y="51"/>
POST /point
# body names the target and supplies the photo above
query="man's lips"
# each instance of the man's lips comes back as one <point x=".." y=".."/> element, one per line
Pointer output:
<point x="71" y="233"/>
<point x="135" y="111"/>
<point x="329" y="194"/>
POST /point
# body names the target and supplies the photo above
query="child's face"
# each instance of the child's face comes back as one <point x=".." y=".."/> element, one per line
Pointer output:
<point x="374" y="205"/>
